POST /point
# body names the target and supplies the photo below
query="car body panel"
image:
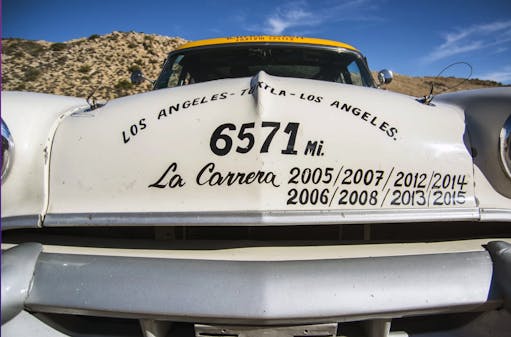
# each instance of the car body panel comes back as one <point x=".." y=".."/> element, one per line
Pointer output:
<point x="32" y="119"/>
<point x="111" y="169"/>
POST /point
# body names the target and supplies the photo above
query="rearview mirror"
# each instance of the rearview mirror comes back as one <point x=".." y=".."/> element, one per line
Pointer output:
<point x="137" y="77"/>
<point x="385" y="76"/>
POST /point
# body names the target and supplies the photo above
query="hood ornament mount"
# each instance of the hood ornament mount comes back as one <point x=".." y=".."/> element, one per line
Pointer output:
<point x="428" y="98"/>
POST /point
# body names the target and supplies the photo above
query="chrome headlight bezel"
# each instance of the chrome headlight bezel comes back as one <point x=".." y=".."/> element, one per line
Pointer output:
<point x="505" y="147"/>
<point x="7" y="150"/>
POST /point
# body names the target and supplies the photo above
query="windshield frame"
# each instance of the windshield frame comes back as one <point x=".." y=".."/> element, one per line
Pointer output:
<point x="165" y="73"/>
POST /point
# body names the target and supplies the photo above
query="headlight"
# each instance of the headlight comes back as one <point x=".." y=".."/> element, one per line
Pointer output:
<point x="7" y="150"/>
<point x="505" y="147"/>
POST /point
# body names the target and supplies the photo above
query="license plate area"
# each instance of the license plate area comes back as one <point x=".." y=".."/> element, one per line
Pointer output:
<point x="317" y="330"/>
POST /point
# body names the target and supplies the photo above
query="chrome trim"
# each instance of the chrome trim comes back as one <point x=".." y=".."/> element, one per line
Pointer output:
<point x="260" y="218"/>
<point x="263" y="292"/>
<point x="500" y="252"/>
<point x="20" y="221"/>
<point x="7" y="150"/>
<point x="323" y="330"/>
<point x="505" y="147"/>
<point x="495" y="214"/>
<point x="385" y="76"/>
<point x="18" y="264"/>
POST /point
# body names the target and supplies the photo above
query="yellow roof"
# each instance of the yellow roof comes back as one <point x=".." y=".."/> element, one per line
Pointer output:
<point x="266" y="38"/>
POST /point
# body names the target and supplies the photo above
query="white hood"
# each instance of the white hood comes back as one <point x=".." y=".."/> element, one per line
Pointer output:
<point x="261" y="145"/>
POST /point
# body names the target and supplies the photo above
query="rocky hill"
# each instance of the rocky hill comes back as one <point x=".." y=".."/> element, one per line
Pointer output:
<point x="421" y="86"/>
<point x="77" y="67"/>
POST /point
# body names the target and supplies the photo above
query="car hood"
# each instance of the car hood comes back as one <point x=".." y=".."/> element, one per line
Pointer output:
<point x="262" y="146"/>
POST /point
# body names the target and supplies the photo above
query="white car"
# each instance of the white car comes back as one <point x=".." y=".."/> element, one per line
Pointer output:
<point x="267" y="187"/>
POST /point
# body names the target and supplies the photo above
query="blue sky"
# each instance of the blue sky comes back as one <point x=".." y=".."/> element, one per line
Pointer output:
<point x="416" y="38"/>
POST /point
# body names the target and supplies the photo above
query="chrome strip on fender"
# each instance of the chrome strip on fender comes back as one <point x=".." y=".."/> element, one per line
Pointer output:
<point x="491" y="214"/>
<point x="21" y="221"/>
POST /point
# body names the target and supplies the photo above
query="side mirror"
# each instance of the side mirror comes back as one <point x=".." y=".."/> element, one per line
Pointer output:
<point x="137" y="77"/>
<point x="385" y="76"/>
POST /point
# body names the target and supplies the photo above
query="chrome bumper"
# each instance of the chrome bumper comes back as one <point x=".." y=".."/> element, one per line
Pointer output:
<point x="254" y="292"/>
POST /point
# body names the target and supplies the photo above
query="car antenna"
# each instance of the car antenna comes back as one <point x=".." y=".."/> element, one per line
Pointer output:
<point x="428" y="98"/>
<point x="91" y="100"/>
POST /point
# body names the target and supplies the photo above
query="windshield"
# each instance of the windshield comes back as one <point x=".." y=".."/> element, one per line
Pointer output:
<point x="213" y="63"/>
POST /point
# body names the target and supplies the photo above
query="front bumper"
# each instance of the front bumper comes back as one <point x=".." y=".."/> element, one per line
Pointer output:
<point x="256" y="293"/>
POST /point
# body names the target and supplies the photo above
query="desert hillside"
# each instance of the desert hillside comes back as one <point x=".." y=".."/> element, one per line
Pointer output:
<point x="421" y="86"/>
<point x="77" y="67"/>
